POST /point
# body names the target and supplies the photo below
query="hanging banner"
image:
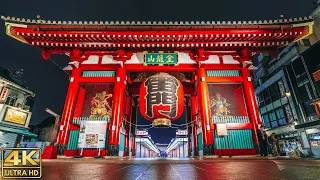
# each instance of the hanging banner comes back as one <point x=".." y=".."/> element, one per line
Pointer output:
<point x="92" y="134"/>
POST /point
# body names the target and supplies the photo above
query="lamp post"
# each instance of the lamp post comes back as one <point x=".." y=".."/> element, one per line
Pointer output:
<point x="50" y="152"/>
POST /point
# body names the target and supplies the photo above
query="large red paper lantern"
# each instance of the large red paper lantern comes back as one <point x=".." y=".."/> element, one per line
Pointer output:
<point x="161" y="99"/>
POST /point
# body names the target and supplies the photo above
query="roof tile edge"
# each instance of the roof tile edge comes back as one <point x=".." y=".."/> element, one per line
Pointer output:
<point x="160" y="23"/>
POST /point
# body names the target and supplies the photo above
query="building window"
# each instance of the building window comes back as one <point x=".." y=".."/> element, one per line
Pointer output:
<point x="11" y="101"/>
<point x="281" y="117"/>
<point x="274" y="92"/>
<point x="306" y="42"/>
<point x="266" y="121"/>
<point x="273" y="119"/>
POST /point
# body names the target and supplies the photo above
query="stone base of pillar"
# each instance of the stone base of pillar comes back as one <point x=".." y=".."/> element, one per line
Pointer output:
<point x="196" y="152"/>
<point x="126" y="151"/>
<point x="207" y="149"/>
<point x="61" y="148"/>
<point x="133" y="152"/>
<point x="113" y="150"/>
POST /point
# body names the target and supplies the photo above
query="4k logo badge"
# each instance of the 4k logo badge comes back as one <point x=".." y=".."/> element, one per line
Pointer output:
<point x="21" y="163"/>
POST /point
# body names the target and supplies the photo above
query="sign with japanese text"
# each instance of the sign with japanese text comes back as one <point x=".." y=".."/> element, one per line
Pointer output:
<point x="181" y="132"/>
<point x="15" y="116"/>
<point x="161" y="97"/>
<point x="161" y="59"/>
<point x="92" y="134"/>
<point x="222" y="129"/>
<point x="141" y="133"/>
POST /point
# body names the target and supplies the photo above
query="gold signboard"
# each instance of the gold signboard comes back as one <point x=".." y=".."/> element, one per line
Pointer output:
<point x="15" y="116"/>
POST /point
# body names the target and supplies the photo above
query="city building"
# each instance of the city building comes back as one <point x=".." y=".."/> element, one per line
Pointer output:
<point x="287" y="92"/>
<point x="16" y="102"/>
<point x="159" y="68"/>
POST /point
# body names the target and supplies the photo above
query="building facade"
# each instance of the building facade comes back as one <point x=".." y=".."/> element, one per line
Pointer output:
<point x="287" y="92"/>
<point x="16" y="104"/>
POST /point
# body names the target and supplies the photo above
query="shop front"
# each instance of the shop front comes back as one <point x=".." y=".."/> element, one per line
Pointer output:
<point x="314" y="140"/>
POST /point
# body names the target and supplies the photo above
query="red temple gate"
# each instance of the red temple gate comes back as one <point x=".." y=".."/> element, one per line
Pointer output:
<point x="108" y="64"/>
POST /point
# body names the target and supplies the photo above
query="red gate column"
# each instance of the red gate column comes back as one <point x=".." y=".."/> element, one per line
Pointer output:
<point x="250" y="99"/>
<point x="69" y="108"/>
<point x="117" y="113"/>
<point x="203" y="94"/>
<point x="194" y="125"/>
<point x="128" y="121"/>
<point x="80" y="102"/>
<point x="133" y="127"/>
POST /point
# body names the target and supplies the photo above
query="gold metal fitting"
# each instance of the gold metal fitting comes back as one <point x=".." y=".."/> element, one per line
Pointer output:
<point x="161" y="122"/>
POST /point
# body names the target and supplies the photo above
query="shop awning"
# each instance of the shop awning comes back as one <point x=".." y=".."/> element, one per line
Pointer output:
<point x="308" y="124"/>
<point x="16" y="130"/>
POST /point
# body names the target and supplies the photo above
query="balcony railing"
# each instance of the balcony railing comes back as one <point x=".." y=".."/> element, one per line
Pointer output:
<point x="230" y="119"/>
<point x="77" y="120"/>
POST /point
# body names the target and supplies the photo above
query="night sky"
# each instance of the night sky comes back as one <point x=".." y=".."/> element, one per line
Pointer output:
<point x="50" y="82"/>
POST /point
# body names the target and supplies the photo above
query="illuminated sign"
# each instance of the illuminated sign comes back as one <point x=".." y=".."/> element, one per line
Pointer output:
<point x="15" y="116"/>
<point x="4" y="94"/>
<point x="142" y="133"/>
<point x="26" y="165"/>
<point x="161" y="59"/>
<point x="181" y="132"/>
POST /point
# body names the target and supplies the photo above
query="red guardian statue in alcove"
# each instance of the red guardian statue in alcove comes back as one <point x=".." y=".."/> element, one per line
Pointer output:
<point x="101" y="107"/>
<point x="219" y="105"/>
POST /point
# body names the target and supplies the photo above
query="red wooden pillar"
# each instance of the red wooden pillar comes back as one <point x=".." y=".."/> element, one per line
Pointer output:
<point x="69" y="107"/>
<point x="127" y="123"/>
<point x="194" y="125"/>
<point x="80" y="102"/>
<point x="251" y="103"/>
<point x="133" y="127"/>
<point x="203" y="95"/>
<point x="117" y="113"/>
<point x="133" y="146"/>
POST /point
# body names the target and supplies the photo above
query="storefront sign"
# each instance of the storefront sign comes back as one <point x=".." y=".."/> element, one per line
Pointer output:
<point x="181" y="132"/>
<point x="317" y="107"/>
<point x="222" y="129"/>
<point x="161" y="59"/>
<point x="15" y="116"/>
<point x="315" y="140"/>
<point x="4" y="94"/>
<point x="92" y="134"/>
<point x="141" y="133"/>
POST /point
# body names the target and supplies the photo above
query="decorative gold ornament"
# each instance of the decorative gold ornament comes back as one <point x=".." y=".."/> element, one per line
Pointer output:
<point x="161" y="122"/>
<point x="219" y="105"/>
<point x="101" y="107"/>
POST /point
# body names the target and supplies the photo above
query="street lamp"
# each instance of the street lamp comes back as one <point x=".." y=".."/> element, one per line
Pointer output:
<point x="50" y="152"/>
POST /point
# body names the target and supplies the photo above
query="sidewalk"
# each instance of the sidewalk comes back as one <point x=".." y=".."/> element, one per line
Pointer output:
<point x="253" y="157"/>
